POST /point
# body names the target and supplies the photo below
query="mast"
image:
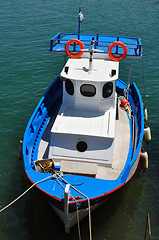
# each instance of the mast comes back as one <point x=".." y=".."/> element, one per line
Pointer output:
<point x="80" y="19"/>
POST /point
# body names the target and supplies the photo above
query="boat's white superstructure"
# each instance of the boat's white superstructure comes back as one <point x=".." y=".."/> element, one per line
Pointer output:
<point x="87" y="114"/>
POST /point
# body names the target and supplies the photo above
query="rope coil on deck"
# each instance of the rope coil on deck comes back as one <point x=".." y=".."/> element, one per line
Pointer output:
<point x="127" y="108"/>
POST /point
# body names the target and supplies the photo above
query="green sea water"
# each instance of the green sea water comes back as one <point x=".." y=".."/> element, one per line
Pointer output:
<point x="27" y="69"/>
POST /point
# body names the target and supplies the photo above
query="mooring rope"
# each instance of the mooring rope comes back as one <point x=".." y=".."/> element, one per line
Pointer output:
<point x="59" y="176"/>
<point x="143" y="77"/>
<point x="1" y="210"/>
<point x="79" y="232"/>
<point x="89" y="207"/>
<point x="56" y="175"/>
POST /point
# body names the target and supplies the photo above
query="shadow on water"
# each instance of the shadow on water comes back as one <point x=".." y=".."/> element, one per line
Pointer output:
<point x="41" y="221"/>
<point x="116" y="216"/>
<point x="112" y="219"/>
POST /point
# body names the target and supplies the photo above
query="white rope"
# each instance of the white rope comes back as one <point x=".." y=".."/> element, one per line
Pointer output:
<point x="78" y="224"/>
<point x="89" y="208"/>
<point x="24" y="193"/>
<point x="58" y="176"/>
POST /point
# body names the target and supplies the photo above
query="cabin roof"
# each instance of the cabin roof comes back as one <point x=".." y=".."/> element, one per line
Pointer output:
<point x="85" y="123"/>
<point x="78" y="69"/>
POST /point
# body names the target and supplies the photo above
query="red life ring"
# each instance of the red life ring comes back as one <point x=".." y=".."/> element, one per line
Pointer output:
<point x="74" y="41"/>
<point x="113" y="45"/>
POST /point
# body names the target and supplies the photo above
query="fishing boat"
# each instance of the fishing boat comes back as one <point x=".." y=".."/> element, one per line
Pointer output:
<point x="84" y="139"/>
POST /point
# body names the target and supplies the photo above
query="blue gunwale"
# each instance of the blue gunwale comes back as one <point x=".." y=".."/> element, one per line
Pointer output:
<point x="102" y="42"/>
<point x="134" y="149"/>
<point x="44" y="111"/>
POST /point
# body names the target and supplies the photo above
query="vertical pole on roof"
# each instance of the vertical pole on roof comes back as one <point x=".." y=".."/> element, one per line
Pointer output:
<point x="91" y="55"/>
<point x="79" y="25"/>
<point x="129" y="77"/>
<point x="97" y="38"/>
<point x="117" y="46"/>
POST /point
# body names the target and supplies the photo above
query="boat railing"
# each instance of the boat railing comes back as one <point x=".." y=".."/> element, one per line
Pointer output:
<point x="137" y="130"/>
<point x="101" y="42"/>
<point x="39" y="120"/>
<point x="138" y="115"/>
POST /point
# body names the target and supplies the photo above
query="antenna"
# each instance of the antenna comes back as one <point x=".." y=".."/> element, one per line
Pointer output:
<point x="80" y="19"/>
<point x="79" y="23"/>
<point x="91" y="55"/>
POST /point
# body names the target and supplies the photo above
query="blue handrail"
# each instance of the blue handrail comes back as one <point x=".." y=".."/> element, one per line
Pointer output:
<point x="138" y="113"/>
<point x="102" y="42"/>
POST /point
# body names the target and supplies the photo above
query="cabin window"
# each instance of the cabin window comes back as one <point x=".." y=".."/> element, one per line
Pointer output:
<point x="69" y="87"/>
<point x="107" y="89"/>
<point x="88" y="90"/>
<point x="81" y="146"/>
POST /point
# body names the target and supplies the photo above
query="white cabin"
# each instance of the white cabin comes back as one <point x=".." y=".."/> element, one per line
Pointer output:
<point x="84" y="129"/>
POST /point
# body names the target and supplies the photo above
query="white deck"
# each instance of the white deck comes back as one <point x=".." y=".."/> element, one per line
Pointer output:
<point x="121" y="149"/>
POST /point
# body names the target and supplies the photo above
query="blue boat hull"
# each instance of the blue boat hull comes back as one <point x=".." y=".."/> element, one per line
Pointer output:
<point x="51" y="189"/>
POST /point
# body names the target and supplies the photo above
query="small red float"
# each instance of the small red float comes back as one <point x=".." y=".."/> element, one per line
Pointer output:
<point x="124" y="102"/>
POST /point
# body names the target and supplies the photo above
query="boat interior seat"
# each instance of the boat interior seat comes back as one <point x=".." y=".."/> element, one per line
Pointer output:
<point x="79" y="168"/>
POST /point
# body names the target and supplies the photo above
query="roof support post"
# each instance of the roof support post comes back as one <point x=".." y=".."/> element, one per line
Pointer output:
<point x="129" y="77"/>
